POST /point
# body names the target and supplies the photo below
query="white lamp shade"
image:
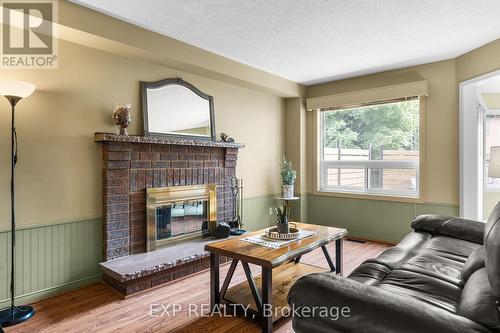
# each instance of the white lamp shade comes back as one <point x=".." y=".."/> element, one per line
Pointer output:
<point x="494" y="167"/>
<point x="16" y="88"/>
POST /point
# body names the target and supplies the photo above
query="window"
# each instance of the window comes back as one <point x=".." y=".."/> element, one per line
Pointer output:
<point x="491" y="138"/>
<point x="372" y="148"/>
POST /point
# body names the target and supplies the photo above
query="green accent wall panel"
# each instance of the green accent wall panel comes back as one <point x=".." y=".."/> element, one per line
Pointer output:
<point x="384" y="219"/>
<point x="340" y="212"/>
<point x="51" y="258"/>
<point x="299" y="209"/>
<point x="372" y="219"/>
<point x="55" y="258"/>
<point x="256" y="212"/>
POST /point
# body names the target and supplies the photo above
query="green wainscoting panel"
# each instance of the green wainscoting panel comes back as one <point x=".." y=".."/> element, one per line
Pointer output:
<point x="51" y="259"/>
<point x="372" y="219"/>
<point x="299" y="209"/>
<point x="256" y="212"/>
<point x="55" y="258"/>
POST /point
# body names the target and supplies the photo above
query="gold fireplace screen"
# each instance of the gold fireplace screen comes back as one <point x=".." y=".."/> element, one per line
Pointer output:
<point x="179" y="212"/>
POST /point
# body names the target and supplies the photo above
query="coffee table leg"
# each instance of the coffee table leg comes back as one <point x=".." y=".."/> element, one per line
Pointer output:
<point x="267" y="300"/>
<point x="214" y="281"/>
<point x="328" y="259"/>
<point x="339" y="256"/>
<point x="228" y="278"/>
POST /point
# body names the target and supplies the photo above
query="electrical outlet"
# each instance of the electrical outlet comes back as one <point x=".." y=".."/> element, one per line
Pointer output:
<point x="270" y="211"/>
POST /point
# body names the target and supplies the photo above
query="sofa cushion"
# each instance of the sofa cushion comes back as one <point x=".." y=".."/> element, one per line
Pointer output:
<point x="492" y="249"/>
<point x="473" y="263"/>
<point x="413" y="241"/>
<point x="371" y="309"/>
<point x="374" y="270"/>
<point x="478" y="302"/>
<point x="440" y="257"/>
<point x="457" y="249"/>
<point x="370" y="273"/>
<point x="437" y="264"/>
<point x="396" y="256"/>
<point x="423" y="287"/>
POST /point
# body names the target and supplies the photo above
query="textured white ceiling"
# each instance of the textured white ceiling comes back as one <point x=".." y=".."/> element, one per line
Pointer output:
<point x="313" y="41"/>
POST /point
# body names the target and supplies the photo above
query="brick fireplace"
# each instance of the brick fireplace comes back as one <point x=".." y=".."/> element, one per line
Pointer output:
<point x="132" y="164"/>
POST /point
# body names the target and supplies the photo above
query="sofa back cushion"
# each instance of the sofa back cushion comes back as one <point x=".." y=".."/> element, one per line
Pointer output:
<point x="492" y="249"/>
<point x="478" y="303"/>
<point x="454" y="227"/>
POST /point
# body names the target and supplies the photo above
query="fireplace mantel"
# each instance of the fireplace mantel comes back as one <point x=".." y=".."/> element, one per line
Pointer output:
<point x="164" y="140"/>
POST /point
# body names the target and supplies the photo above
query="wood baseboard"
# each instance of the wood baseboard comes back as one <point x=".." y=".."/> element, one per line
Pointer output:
<point x="367" y="239"/>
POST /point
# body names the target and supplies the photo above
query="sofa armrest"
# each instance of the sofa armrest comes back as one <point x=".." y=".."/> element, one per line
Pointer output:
<point x="370" y="309"/>
<point x="465" y="229"/>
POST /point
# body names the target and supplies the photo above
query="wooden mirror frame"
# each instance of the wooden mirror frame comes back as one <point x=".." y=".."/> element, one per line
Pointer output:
<point x="176" y="81"/>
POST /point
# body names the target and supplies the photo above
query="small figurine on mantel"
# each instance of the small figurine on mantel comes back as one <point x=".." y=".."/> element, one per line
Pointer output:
<point x="226" y="138"/>
<point x="122" y="118"/>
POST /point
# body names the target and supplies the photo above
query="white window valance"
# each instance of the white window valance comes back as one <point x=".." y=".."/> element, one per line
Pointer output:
<point x="407" y="89"/>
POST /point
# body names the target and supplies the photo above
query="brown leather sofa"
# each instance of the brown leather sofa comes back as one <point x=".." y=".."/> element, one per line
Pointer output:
<point x="442" y="277"/>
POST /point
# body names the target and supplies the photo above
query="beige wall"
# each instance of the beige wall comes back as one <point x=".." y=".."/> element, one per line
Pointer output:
<point x="441" y="123"/>
<point x="295" y="140"/>
<point x="59" y="170"/>
<point x="102" y="61"/>
<point x="87" y="27"/>
<point x="479" y="61"/>
<point x="492" y="100"/>
<point x="296" y="150"/>
<point x="490" y="199"/>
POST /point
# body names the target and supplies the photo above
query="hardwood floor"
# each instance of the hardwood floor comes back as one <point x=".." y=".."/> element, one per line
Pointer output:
<point x="97" y="309"/>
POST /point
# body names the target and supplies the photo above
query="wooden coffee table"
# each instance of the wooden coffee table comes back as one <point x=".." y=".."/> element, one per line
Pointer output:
<point x="280" y="269"/>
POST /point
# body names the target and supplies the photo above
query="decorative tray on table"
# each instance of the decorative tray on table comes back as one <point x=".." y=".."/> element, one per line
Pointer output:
<point x="272" y="233"/>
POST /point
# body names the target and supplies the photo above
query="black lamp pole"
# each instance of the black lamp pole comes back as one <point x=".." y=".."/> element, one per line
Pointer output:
<point x="14" y="314"/>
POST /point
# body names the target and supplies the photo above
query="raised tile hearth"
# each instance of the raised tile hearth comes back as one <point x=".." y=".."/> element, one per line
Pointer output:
<point x="138" y="272"/>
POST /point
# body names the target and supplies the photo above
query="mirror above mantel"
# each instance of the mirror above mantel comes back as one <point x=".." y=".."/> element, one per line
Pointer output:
<point x="174" y="107"/>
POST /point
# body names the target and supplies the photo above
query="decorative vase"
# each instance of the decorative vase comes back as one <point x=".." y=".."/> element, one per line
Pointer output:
<point x="287" y="191"/>
<point x="283" y="228"/>
<point x="122" y="118"/>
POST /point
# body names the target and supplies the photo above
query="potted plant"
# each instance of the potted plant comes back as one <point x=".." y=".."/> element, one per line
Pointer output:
<point x="283" y="215"/>
<point x="288" y="177"/>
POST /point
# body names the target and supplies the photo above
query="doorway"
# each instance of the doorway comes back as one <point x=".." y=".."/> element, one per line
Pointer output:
<point x="479" y="131"/>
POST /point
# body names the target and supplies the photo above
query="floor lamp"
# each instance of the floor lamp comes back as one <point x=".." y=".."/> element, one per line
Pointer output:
<point x="14" y="91"/>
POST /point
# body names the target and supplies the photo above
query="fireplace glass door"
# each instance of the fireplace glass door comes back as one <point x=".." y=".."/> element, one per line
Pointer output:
<point x="179" y="212"/>
<point x="181" y="220"/>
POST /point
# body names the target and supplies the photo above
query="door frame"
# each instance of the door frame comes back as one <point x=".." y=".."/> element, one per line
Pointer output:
<point x="471" y="148"/>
